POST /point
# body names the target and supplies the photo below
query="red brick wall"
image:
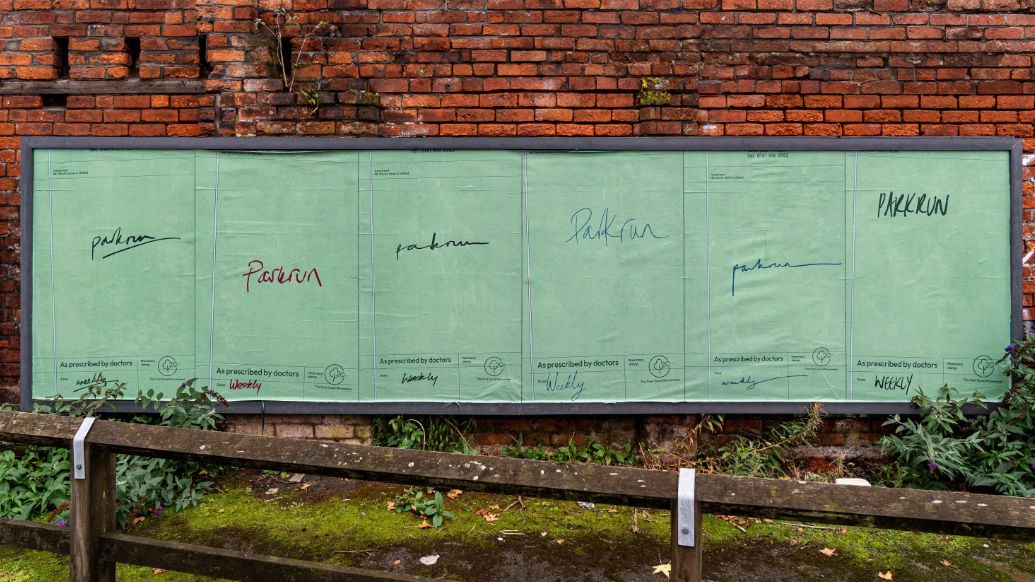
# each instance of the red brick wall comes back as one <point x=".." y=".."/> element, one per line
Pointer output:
<point x="517" y="68"/>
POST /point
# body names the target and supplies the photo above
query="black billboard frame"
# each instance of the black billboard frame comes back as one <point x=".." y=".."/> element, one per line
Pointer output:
<point x="28" y="144"/>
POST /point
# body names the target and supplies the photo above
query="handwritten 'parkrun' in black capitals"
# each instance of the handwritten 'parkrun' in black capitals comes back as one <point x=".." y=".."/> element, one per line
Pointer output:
<point x="604" y="229"/>
<point x="435" y="245"/>
<point x="758" y="264"/>
<point x="890" y="205"/>
<point x="122" y="242"/>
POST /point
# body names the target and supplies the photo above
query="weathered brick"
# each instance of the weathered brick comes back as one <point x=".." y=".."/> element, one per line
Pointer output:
<point x="415" y="68"/>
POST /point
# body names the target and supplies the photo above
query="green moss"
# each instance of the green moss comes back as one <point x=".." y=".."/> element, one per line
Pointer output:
<point x="339" y="529"/>
<point x="867" y="549"/>
<point x="317" y="530"/>
<point x="653" y="92"/>
<point x="24" y="566"/>
<point x="366" y="97"/>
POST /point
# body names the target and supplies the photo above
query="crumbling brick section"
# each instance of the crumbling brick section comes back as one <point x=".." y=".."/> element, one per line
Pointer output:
<point x="353" y="430"/>
<point x="414" y="68"/>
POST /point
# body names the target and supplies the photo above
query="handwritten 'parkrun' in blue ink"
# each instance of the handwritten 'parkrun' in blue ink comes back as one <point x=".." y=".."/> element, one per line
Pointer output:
<point x="554" y="384"/>
<point x="747" y="381"/>
<point x="760" y="265"/>
<point x="605" y="230"/>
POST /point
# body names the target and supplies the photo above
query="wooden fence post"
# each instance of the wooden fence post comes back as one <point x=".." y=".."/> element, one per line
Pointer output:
<point x="92" y="514"/>
<point x="686" y="561"/>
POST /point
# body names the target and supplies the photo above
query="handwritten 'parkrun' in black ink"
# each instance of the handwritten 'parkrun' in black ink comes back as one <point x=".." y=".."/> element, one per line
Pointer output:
<point x="760" y="265"/>
<point x="890" y="205"/>
<point x="435" y="245"/>
<point x="747" y="381"/>
<point x="407" y="378"/>
<point x="605" y="230"/>
<point x="127" y="242"/>
<point x="554" y="384"/>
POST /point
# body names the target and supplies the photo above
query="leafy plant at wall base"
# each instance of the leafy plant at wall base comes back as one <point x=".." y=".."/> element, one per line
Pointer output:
<point x="944" y="448"/>
<point x="36" y="483"/>
<point x="592" y="452"/>
<point x="427" y="433"/>
<point x="766" y="455"/>
<point x="429" y="507"/>
<point x="683" y="451"/>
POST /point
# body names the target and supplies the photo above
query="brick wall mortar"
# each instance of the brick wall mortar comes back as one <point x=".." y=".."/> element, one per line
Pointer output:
<point x="520" y="68"/>
<point x="842" y="437"/>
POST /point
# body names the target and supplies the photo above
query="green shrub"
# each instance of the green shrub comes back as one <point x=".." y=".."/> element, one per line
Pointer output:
<point x="946" y="448"/>
<point x="592" y="452"/>
<point x="429" y="433"/>
<point x="766" y="455"/>
<point x="36" y="483"/>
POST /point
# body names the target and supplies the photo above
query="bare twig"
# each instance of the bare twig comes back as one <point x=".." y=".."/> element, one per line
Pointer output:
<point x="461" y="433"/>
<point x="517" y="501"/>
<point x="805" y="525"/>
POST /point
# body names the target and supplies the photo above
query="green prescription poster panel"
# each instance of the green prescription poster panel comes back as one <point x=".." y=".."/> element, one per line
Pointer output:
<point x="522" y="276"/>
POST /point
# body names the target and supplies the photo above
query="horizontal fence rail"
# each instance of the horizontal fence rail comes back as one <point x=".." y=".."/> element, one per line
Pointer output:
<point x="92" y="537"/>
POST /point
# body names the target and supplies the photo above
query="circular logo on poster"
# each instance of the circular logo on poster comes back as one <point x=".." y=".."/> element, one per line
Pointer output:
<point x="167" y="366"/>
<point x="984" y="366"/>
<point x="334" y="374"/>
<point x="494" y="366"/>
<point x="821" y="356"/>
<point x="659" y="366"/>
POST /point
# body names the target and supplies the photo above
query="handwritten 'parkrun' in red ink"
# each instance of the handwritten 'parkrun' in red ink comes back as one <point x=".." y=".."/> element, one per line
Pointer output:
<point x="278" y="275"/>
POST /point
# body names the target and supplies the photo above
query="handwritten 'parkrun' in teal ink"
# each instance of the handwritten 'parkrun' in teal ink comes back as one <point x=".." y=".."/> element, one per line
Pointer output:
<point x="604" y="229"/>
<point x="760" y="265"/>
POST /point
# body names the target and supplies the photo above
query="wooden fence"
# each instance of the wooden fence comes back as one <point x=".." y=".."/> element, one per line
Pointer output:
<point x="96" y="547"/>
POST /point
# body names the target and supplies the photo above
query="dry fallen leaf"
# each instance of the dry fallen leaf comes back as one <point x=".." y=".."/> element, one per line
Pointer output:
<point x="946" y="563"/>
<point x="397" y="562"/>
<point x="829" y="552"/>
<point x="884" y="575"/>
<point x="558" y="542"/>
<point x="494" y="506"/>
<point x="136" y="520"/>
<point x="391" y="505"/>
<point x="157" y="571"/>
<point x="794" y="541"/>
<point x="841" y="531"/>
<point x="424" y="524"/>
<point x="665" y="569"/>
<point x="454" y="493"/>
<point x="272" y="491"/>
<point x="305" y="486"/>
<point x="490" y="517"/>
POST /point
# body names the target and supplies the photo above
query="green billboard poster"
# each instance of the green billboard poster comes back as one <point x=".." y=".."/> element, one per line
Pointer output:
<point x="514" y="276"/>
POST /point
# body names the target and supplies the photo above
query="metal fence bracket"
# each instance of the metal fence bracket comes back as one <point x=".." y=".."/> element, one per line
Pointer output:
<point x="686" y="502"/>
<point x="78" y="460"/>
